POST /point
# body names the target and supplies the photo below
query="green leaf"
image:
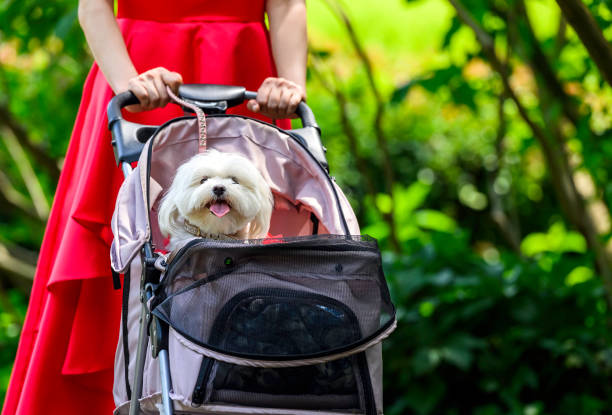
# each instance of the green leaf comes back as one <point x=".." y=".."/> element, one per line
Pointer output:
<point x="464" y="94"/>
<point x="441" y="78"/>
<point x="435" y="220"/>
<point x="557" y="240"/>
<point x="384" y="203"/>
<point x="399" y="94"/>
<point x="320" y="53"/>
<point x="407" y="200"/>
<point x="579" y="275"/>
<point x="460" y="357"/>
<point x="66" y="23"/>
<point x="455" y="26"/>
<point x="378" y="230"/>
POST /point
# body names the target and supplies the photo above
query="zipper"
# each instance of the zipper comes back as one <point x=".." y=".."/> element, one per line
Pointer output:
<point x="368" y="390"/>
<point x="198" y="393"/>
<point x="177" y="260"/>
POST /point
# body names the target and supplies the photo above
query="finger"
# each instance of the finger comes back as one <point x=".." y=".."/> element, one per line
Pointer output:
<point x="152" y="91"/>
<point x="172" y="79"/>
<point x="263" y="94"/>
<point x="252" y="105"/>
<point x="274" y="101"/>
<point x="141" y="93"/>
<point x="283" y="102"/>
<point x="294" y="101"/>
<point x="160" y="87"/>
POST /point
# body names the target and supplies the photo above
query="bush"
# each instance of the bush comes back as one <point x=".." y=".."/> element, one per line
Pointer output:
<point x="503" y="336"/>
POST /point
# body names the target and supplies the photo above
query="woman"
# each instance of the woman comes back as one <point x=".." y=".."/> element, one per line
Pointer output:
<point x="65" y="359"/>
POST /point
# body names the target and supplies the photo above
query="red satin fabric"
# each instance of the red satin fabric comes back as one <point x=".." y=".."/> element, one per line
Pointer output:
<point x="66" y="353"/>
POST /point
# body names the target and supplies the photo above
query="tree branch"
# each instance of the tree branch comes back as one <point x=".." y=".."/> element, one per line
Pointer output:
<point x="579" y="17"/>
<point x="20" y="132"/>
<point x="18" y="266"/>
<point x="12" y="261"/>
<point x="541" y="66"/>
<point x="560" y="38"/>
<point x="14" y="197"/>
<point x="8" y="206"/>
<point x="28" y="176"/>
<point x="381" y="139"/>
<point x="551" y="144"/>
<point x="509" y="230"/>
<point x="347" y="127"/>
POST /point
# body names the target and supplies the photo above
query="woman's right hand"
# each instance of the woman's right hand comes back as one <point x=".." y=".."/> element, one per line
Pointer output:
<point x="150" y="88"/>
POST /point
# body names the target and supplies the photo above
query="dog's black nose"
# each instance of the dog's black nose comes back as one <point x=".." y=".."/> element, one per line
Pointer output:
<point x="218" y="190"/>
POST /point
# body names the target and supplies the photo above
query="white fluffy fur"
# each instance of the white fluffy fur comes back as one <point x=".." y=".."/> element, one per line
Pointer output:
<point x="247" y="193"/>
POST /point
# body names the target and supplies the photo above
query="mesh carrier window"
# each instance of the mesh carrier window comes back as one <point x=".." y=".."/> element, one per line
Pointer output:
<point x="283" y="322"/>
<point x="205" y="276"/>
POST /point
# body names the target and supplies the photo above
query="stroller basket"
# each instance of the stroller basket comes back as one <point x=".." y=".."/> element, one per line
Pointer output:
<point x="279" y="322"/>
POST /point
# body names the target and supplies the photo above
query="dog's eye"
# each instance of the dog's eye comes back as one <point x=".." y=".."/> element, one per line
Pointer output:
<point x="203" y="179"/>
<point x="234" y="180"/>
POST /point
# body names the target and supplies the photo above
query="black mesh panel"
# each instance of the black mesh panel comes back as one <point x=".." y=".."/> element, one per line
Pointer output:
<point x="273" y="321"/>
<point x="290" y="298"/>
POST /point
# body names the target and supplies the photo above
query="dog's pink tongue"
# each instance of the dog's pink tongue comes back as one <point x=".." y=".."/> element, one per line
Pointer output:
<point x="219" y="209"/>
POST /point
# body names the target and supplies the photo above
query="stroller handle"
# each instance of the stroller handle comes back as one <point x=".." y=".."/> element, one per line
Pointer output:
<point x="211" y="98"/>
<point x="128" y="138"/>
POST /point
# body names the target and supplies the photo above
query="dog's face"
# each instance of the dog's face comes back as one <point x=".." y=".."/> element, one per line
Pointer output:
<point x="220" y="193"/>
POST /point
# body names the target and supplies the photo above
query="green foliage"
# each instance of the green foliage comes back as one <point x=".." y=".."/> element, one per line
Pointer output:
<point x="12" y="313"/>
<point x="43" y="63"/>
<point x="494" y="337"/>
<point x="485" y="326"/>
<point x="449" y="77"/>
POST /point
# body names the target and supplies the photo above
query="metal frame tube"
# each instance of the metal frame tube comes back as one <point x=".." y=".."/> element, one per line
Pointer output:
<point x="166" y="382"/>
<point x="141" y="354"/>
<point x="126" y="168"/>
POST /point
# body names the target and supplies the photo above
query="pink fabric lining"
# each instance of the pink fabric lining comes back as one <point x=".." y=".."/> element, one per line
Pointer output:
<point x="300" y="185"/>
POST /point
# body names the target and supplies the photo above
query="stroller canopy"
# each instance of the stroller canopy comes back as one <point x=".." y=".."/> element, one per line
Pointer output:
<point x="307" y="200"/>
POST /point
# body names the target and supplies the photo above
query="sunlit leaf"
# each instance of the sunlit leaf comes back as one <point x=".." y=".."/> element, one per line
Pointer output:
<point x="435" y="220"/>
<point x="579" y="275"/>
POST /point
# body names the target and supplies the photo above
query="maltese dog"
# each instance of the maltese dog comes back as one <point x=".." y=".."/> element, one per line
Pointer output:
<point x="217" y="196"/>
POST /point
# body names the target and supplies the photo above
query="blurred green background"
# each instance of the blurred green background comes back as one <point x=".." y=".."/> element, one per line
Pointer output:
<point x="472" y="138"/>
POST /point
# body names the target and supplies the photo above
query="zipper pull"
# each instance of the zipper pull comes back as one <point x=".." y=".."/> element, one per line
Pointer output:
<point x="198" y="396"/>
<point x="200" y="388"/>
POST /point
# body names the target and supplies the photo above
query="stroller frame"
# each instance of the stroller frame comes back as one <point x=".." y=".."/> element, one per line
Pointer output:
<point x="128" y="140"/>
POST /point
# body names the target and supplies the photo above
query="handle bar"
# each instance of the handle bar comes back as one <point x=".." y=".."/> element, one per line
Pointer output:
<point x="206" y="96"/>
<point x="128" y="138"/>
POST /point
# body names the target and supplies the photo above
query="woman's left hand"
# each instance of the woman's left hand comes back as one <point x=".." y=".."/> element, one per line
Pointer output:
<point x="277" y="98"/>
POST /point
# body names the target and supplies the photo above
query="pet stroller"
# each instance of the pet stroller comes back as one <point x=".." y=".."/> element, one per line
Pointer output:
<point x="287" y="325"/>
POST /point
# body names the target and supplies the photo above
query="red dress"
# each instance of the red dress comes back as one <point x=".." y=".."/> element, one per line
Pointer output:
<point x="64" y="363"/>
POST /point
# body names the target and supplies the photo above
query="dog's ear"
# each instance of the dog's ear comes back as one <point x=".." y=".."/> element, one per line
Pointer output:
<point x="261" y="223"/>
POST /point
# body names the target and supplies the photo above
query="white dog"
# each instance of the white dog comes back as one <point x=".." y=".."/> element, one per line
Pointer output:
<point x="218" y="196"/>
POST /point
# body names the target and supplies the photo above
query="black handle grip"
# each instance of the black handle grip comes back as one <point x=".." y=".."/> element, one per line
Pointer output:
<point x="120" y="101"/>
<point x="211" y="93"/>
<point x="307" y="116"/>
